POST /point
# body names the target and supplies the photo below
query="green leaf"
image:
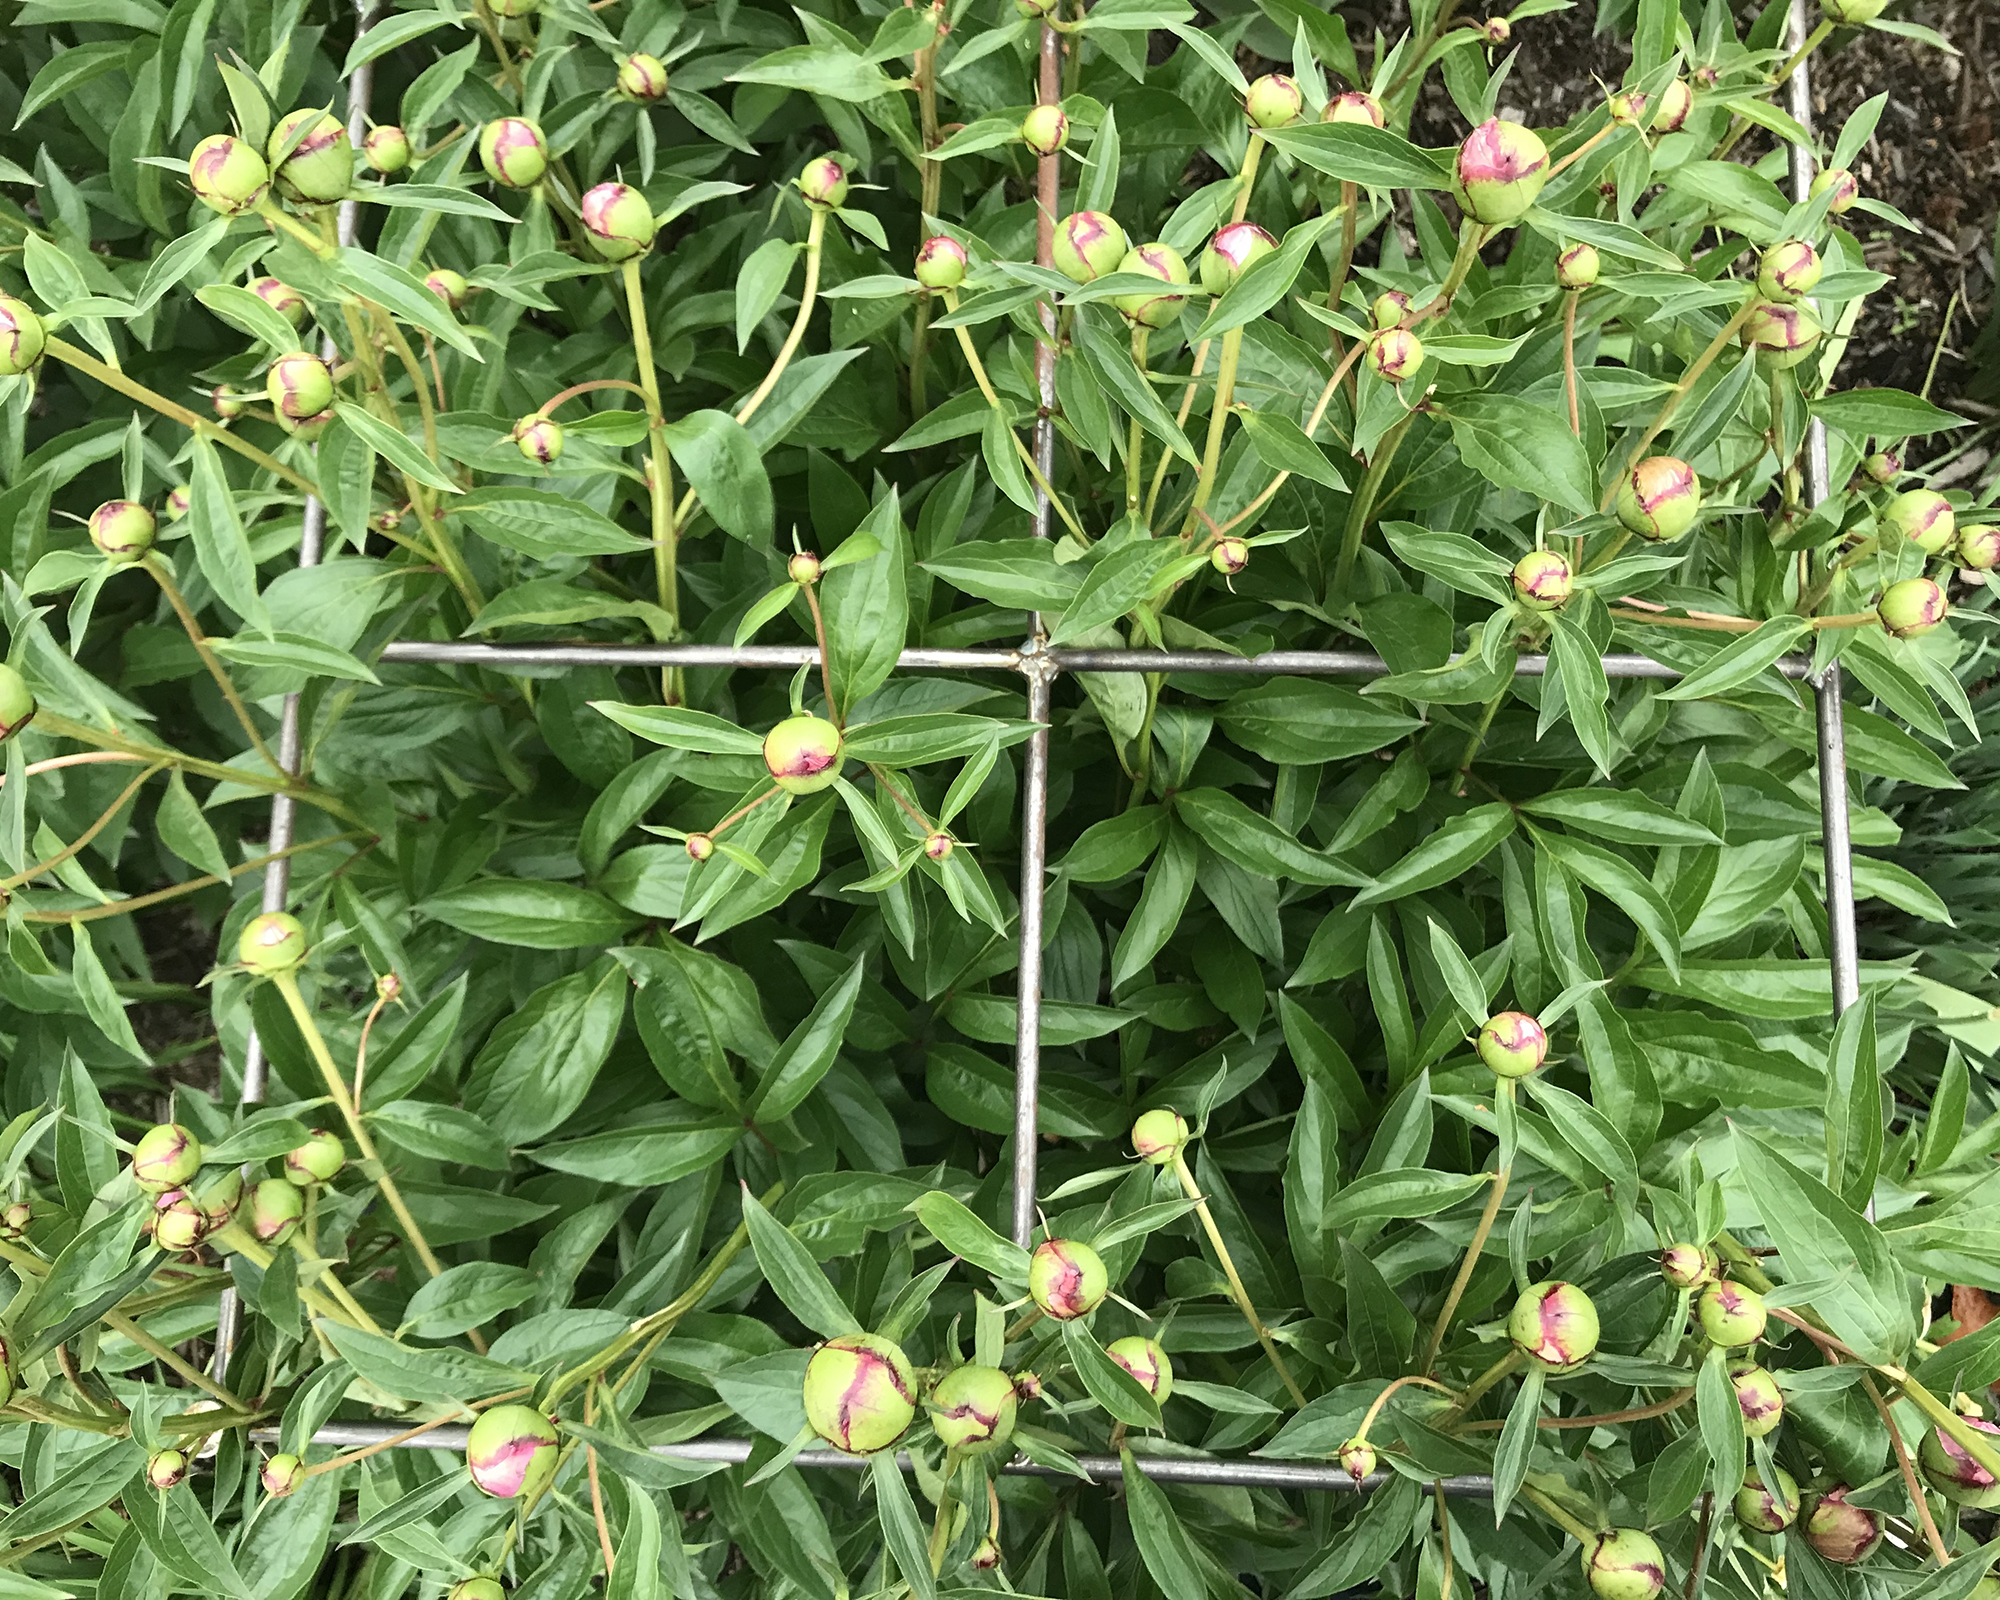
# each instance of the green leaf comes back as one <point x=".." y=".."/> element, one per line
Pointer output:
<point x="635" y="1572"/>
<point x="1264" y="283"/>
<point x="1281" y="444"/>
<point x="716" y="454"/>
<point x="1457" y="847"/>
<point x="1163" y="1543"/>
<point x="1304" y="721"/>
<point x="293" y="652"/>
<point x="396" y="447"/>
<point x="406" y="1370"/>
<point x="965" y="1236"/>
<point x="1517" y="1443"/>
<point x="221" y="546"/>
<point x="1523" y="446"/>
<point x="185" y="831"/>
<point x="1624" y="885"/>
<point x="1110" y="1385"/>
<point x="1374" y="158"/>
<point x="537" y="915"/>
<point x="251" y="314"/>
<point x="1741" y="659"/>
<point x="390" y="33"/>
<point x="1624" y="816"/>
<point x="404" y="296"/>
<point x="543" y="525"/>
<point x="100" y="1000"/>
<point x="804" y="1058"/>
<point x="819" y="70"/>
<point x="1400" y="1192"/>
<point x="793" y="1274"/>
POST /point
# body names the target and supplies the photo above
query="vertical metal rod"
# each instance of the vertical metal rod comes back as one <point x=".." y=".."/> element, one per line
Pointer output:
<point x="1842" y="949"/>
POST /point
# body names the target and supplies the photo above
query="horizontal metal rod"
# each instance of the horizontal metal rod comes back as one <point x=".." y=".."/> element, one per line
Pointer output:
<point x="1320" y="663"/>
<point x="1102" y="1469"/>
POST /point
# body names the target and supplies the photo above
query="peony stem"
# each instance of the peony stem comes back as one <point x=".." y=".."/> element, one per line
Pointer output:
<point x="1218" y="422"/>
<point x="666" y="531"/>
<point x="1671" y="404"/>
<point x="1135" y="438"/>
<point x="1561" y="1518"/>
<point x="158" y="569"/>
<point x="815" y="238"/>
<point x="170" y="1359"/>
<point x="1237" y="1292"/>
<point x="348" y="1459"/>
<point x="141" y="902"/>
<point x="1569" y="360"/>
<point x="1494" y="1197"/>
<point x="1909" y="1471"/>
<point x="1363" y="504"/>
<point x="1027" y="456"/>
<point x="29" y="874"/>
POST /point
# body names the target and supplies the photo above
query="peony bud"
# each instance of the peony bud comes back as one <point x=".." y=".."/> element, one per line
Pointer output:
<point x="1501" y="169"/>
<point x="1045" y="130"/>
<point x="165" y="1157"/>
<point x="1787" y="270"/>
<point x="1389" y="309"/>
<point x="22" y="336"/>
<point x="941" y="262"/>
<point x="1576" y="267"/>
<point x="448" y="286"/>
<point x="1395" y="353"/>
<point x="512" y="9"/>
<point x="1758" y="1397"/>
<point x="271" y="944"/>
<point x="938" y="846"/>
<point x="275" y="1211"/>
<point x="1839" y="1532"/>
<point x="985" y="1554"/>
<point x="1852" y="13"/>
<point x="318" y="1160"/>
<point x="307" y="429"/>
<point x="227" y="405"/>
<point x="227" y="175"/>
<point x="1357" y="1460"/>
<point x="823" y="182"/>
<point x="803" y="569"/>
<point x="282" y="298"/>
<point x="618" y="221"/>
<point x="299" y="386"/>
<point x="1555" y="1326"/>
<point x="1067" y="1279"/>
<point x="1763" y="1510"/>
<point x="123" y="530"/>
<point x="1979" y="547"/>
<point x="1781" y="335"/>
<point x="642" y="79"/>
<point x="860" y="1393"/>
<point x="539" y="439"/>
<point x="1498" y="30"/>
<point x="1542" y="582"/>
<point x="1356" y="107"/>
<point x="1730" y="1315"/>
<point x="803" y="754"/>
<point x="1147" y="1362"/>
<point x="1950" y="1469"/>
<point x="320" y="168"/>
<point x="1688" y="1266"/>
<point x="1088" y="245"/>
<point x="481" y="1588"/>
<point x="511" y="1451"/>
<point x="15" y="1218"/>
<point x="1627" y="108"/>
<point x="1910" y="609"/>
<point x="165" y="1468"/>
<point x="218" y="1198"/>
<point x="699" y="847"/>
<point x="1033" y="8"/>
<point x="973" y="1409"/>
<point x="282" y="1475"/>
<point x="1624" y="1564"/>
<point x="1513" y="1043"/>
<point x="1659" y="498"/>
<point x="1027" y="1386"/>
<point x="1845" y="190"/>
<point x="1233" y="249"/>
<point x="1884" y="466"/>
<point x="17" y="703"/>
<point x="1922" y="516"/>
<point x="178" y="1223"/>
<point x="1230" y="556"/>
<point x="1159" y="1136"/>
<point x="513" y="152"/>
<point x="1676" y="102"/>
<point x="386" y="149"/>
<point x="180" y="500"/>
<point x="1274" y="101"/>
<point x="1147" y="308"/>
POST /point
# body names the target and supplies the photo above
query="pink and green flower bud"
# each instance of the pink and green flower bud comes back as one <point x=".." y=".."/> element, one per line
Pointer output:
<point x="1501" y="169"/>
<point x="941" y="262"/>
<point x="860" y="1393"/>
<point x="1766" y="1508"/>
<point x="1512" y="1043"/>
<point x="1356" y="107"/>
<point x="1689" y="1266"/>
<point x="1147" y="1362"/>
<point x="1033" y="8"/>
<point x="219" y="1197"/>
<point x="1845" y="190"/>
<point x="1624" y="1564"/>
<point x="973" y="1409"/>
<point x="1659" y="498"/>
<point x="274" y="1211"/>
<point x="1839" y="1532"/>
<point x="227" y="175"/>
<point x="22" y="337"/>
<point x="1159" y="1136"/>
<point x="282" y="1475"/>
<point x="1676" y="102"/>
<point x="511" y="1452"/>
<point x="1231" y="252"/>
<point x="824" y="182"/>
<point x="1979" y="547"/>
<point x="1027" y="1385"/>
<point x="123" y="530"/>
<point x="1852" y="13"/>
<point x="448" y="286"/>
<point x="17" y="703"/>
<point x="178" y="1222"/>
<point x="618" y="221"/>
<point x="1230" y="555"/>
<point x="802" y="754"/>
<point x="539" y="439"/>
<point x="642" y="79"/>
<point x="1542" y="582"/>
<point x="15" y="1218"/>
<point x="804" y="569"/>
<point x="272" y="943"/>
<point x="165" y="1468"/>
<point x="1950" y="1468"/>
<point x="319" y="1160"/>
<point x="1787" y="270"/>
<point x="1730" y="1315"/>
<point x="513" y="152"/>
<point x="307" y="429"/>
<point x="1555" y="1326"/>
<point x="1498" y="30"/>
<point x="1274" y="101"/>
<point x="299" y="386"/>
<point x="1912" y="608"/>
<point x="1067" y="1279"/>
<point x="1389" y="309"/>
<point x="985" y="1554"/>
<point x="1577" y="267"/>
<point x="1758" y="1397"/>
<point x="386" y="148"/>
<point x="1146" y="308"/>
<point x="1357" y="1460"/>
<point x="320" y="168"/>
<point x="1923" y="517"/>
<point x="282" y="298"/>
<point x="938" y="846"/>
<point x="1395" y="354"/>
<point x="1782" y="335"/>
<point x="226" y="404"/>
<point x="699" y="847"/>
<point x="1628" y="108"/>
<point x="165" y="1157"/>
<point x="1045" y="130"/>
<point x="481" y="1588"/>
<point x="1884" y="467"/>
<point x="1088" y="245"/>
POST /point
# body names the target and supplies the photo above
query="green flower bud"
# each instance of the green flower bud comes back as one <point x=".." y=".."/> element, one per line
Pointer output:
<point x="1577" y="267"/>
<point x="1230" y="556"/>
<point x="1148" y="1363"/>
<point x="227" y="175"/>
<point x="165" y="1468"/>
<point x="1355" y="107"/>
<point x="282" y="298"/>
<point x="1624" y="1564"/>
<point x="642" y="79"/>
<point x="22" y="336"/>
<point x="1979" y="547"/>
<point x="123" y="530"/>
<point x="227" y="405"/>
<point x="165" y="1157"/>
<point x="1067" y="1279"/>
<point x="1884" y="467"/>
<point x="318" y="1160"/>
<point x="1787" y="270"/>
<point x="15" y="1218"/>
<point x="8" y="1379"/>
<point x="539" y="439"/>
<point x="1659" y="498"/>
<point x="1033" y="8"/>
<point x="1688" y="1266"/>
<point x="1542" y="582"/>
<point x="1088" y="245"/>
<point x="476" y="1589"/>
<point x="387" y="148"/>
<point x="177" y="1223"/>
<point x="1395" y="354"/>
<point x="1357" y="1460"/>
<point x="272" y="943"/>
<point x="1764" y="1509"/>
<point x="1389" y="309"/>
<point x="802" y="754"/>
<point x="938" y="846"/>
<point x="1627" y="108"/>
<point x="1146" y="308"/>
<point x="618" y="221"/>
<point x="1498" y="30"/>
<point x="511" y="1452"/>
<point x="512" y="10"/>
<point x="823" y="182"/>
<point x="1045" y="130"/>
<point x="985" y="1554"/>
<point x="17" y="703"/>
<point x="1922" y="516"/>
<point x="448" y="286"/>
<point x="282" y="1476"/>
<point x="1950" y="1468"/>
<point x="307" y="429"/>
<point x="1845" y="190"/>
<point x="1781" y="335"/>
<point x="218" y="1197"/>
<point x="299" y="386"/>
<point x="1912" y="608"/>
<point x="1852" y="13"/>
<point x="973" y="1409"/>
<point x="1730" y="1315"/>
<point x="699" y="847"/>
<point x="1512" y="1043"/>
<point x="1500" y="170"/>
<point x="941" y="262"/>
<point x="275" y="1211"/>
<point x="1234" y="250"/>
<point x="1555" y="1326"/>
<point x="1758" y="1397"/>
<point x="804" y="569"/>
<point x="321" y="167"/>
<point x="1159" y="1135"/>
<point x="1274" y="101"/>
<point x="1841" y="1533"/>
<point x="513" y="152"/>
<point x="1676" y="102"/>
<point x="860" y="1393"/>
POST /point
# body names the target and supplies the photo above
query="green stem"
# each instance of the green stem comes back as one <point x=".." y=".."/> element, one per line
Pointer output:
<point x="140" y="902"/>
<point x="1135" y="438"/>
<point x="1479" y="1385"/>
<point x="1671" y="404"/>
<point x="1237" y="1292"/>
<point x="240" y="1239"/>
<point x="1246" y="176"/>
<point x="170" y="1359"/>
<point x="1494" y="1196"/>
<point x="1027" y="456"/>
<point x="1814" y="40"/>
<point x="1587" y="1537"/>
<point x="815" y="238"/>
<point x="27" y="875"/>
<point x="158" y="568"/>
<point x="941" y="1522"/>
<point x="1364" y="503"/>
<point x="1478" y="738"/>
<point x="666" y="535"/>
<point x="1218" y="422"/>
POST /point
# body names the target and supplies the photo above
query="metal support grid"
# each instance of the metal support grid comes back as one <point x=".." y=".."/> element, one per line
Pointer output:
<point x="1040" y="665"/>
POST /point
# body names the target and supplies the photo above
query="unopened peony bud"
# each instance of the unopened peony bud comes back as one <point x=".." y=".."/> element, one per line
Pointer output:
<point x="1357" y="1459"/>
<point x="824" y="182"/>
<point x="1782" y="335"/>
<point x="1659" y="498"/>
<point x="973" y="1409"/>
<point x="1501" y="169"/>
<point x="274" y="1211"/>
<point x="1979" y="547"/>
<point x="1033" y="8"/>
<point x="178" y="1223"/>
<point x="1912" y="608"/>
<point x="165" y="1157"/>
<point x="1498" y="30"/>
<point x="318" y="1160"/>
<point x="282" y="298"/>
<point x="272" y="943"/>
<point x="481" y="1588"/>
<point x="1354" y="106"/>
<point x="1766" y="1508"/>
<point x="1624" y="1564"/>
<point x="299" y="385"/>
<point x="941" y="262"/>
<point x="15" y="1217"/>
<point x="1088" y="245"/>
<point x="1159" y="1136"/>
<point x="860" y="1394"/>
<point x="1147" y="1362"/>
<point x="1067" y="1279"/>
<point x="282" y="1476"/>
<point x="165" y="1468"/>
<point x="1274" y="101"/>
<point x="1845" y="190"/>
<point x="22" y="336"/>
<point x="1542" y="582"/>
<point x="1730" y="1315"/>
<point x="1884" y="466"/>
<point x="1230" y="556"/>
<point x="642" y="79"/>
<point x="1688" y="1266"/>
<point x="1146" y="308"/>
<point x="1758" y="1397"/>
<point x="1627" y="108"/>
<point x="227" y="175"/>
<point x="539" y="439"/>
<point x="219" y="1197"/>
<point x="802" y="754"/>
<point x="699" y="847"/>
<point x="1389" y="309"/>
<point x="1788" y="270"/>
<point x="386" y="149"/>
<point x="1045" y="130"/>
<point x="1512" y="1043"/>
<point x="1950" y="1468"/>
<point x="123" y="530"/>
<point x="985" y="1554"/>
<point x="803" y="569"/>
<point x="513" y="152"/>
<point x="511" y="10"/>
<point x="17" y="703"/>
<point x="617" y="221"/>
<point x="448" y="286"/>
<point x="1675" y="103"/>
<point x="511" y="1452"/>
<point x="226" y="404"/>
<point x="1234" y="248"/>
<point x="1839" y="1532"/>
<point x="1852" y="13"/>
<point x="1555" y="1326"/>
<point x="1576" y="267"/>
<point x="1395" y="354"/>
<point x="1027" y="1385"/>
<point x="938" y="845"/>
<point x="1923" y="517"/>
<point x="307" y="429"/>
<point x="320" y="168"/>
